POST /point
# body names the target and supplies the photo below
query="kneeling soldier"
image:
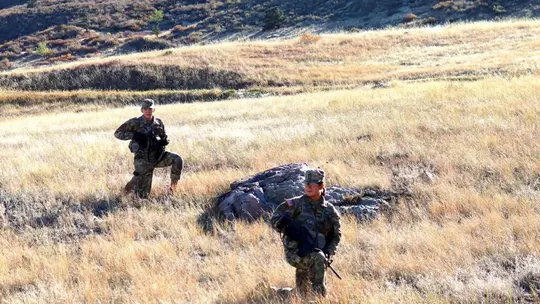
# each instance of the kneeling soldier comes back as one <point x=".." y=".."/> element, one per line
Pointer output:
<point x="312" y="231"/>
<point x="148" y="141"/>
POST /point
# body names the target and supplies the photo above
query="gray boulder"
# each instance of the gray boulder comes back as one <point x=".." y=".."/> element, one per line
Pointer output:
<point x="258" y="195"/>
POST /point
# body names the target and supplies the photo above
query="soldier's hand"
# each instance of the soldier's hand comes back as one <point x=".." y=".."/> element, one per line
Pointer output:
<point x="163" y="142"/>
<point x="141" y="139"/>
<point x="328" y="252"/>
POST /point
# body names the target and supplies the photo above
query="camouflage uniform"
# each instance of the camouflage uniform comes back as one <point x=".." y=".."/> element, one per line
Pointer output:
<point x="323" y="223"/>
<point x="146" y="159"/>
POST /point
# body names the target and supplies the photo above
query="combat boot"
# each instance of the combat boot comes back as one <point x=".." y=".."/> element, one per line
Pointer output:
<point x="319" y="289"/>
<point x="302" y="282"/>
<point x="174" y="187"/>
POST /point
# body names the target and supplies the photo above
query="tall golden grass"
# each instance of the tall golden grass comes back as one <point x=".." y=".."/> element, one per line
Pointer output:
<point x="469" y="234"/>
<point x="443" y="52"/>
<point x="468" y="152"/>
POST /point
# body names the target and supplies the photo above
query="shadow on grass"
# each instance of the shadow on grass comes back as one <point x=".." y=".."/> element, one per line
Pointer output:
<point x="61" y="218"/>
<point x="263" y="293"/>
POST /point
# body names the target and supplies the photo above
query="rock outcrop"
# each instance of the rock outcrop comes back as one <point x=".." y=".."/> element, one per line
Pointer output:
<point x="259" y="195"/>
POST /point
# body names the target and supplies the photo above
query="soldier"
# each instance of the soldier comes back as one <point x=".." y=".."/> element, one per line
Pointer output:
<point x="323" y="224"/>
<point x="148" y="141"/>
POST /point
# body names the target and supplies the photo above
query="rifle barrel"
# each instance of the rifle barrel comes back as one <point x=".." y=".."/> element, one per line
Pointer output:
<point x="335" y="272"/>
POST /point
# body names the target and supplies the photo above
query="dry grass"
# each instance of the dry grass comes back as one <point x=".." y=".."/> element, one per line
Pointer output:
<point x="19" y="103"/>
<point x="470" y="234"/>
<point x="429" y="53"/>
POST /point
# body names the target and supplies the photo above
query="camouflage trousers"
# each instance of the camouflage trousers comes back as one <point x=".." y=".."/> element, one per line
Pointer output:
<point x="309" y="269"/>
<point x="141" y="183"/>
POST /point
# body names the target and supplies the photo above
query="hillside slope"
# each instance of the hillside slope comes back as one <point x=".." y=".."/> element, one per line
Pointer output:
<point x="192" y="21"/>
<point x="308" y="63"/>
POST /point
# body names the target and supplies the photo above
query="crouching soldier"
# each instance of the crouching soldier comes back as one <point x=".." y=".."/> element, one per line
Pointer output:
<point x="311" y="229"/>
<point x="148" y="141"/>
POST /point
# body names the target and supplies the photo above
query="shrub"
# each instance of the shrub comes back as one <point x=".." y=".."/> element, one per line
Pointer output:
<point x="101" y="42"/>
<point x="409" y="18"/>
<point x="195" y="37"/>
<point x="274" y="18"/>
<point x="83" y="49"/>
<point x="442" y="4"/>
<point x="63" y="58"/>
<point x="15" y="48"/>
<point x="30" y="41"/>
<point x="498" y="9"/>
<point x="42" y="49"/>
<point x="179" y="28"/>
<point x="57" y="43"/>
<point x="134" y="37"/>
<point x="5" y="64"/>
<point x="8" y="54"/>
<point x="309" y="38"/>
<point x="142" y="44"/>
<point x="429" y="21"/>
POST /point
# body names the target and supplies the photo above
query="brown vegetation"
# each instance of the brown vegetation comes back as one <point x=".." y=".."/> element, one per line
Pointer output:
<point x="470" y="231"/>
<point x="457" y="51"/>
<point x="409" y="18"/>
<point x="199" y="21"/>
<point x="309" y="38"/>
<point x="449" y="114"/>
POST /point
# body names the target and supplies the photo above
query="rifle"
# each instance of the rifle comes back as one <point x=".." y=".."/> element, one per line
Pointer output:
<point x="153" y="145"/>
<point x="298" y="232"/>
<point x="329" y="261"/>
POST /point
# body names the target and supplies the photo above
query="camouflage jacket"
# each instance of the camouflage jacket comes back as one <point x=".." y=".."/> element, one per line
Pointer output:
<point x="320" y="218"/>
<point x="139" y="124"/>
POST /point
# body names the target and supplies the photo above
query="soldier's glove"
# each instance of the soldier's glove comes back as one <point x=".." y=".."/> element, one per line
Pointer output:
<point x="328" y="252"/>
<point x="163" y="142"/>
<point x="141" y="139"/>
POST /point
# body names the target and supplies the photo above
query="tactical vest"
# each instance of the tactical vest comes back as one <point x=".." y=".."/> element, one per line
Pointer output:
<point x="316" y="218"/>
<point x="156" y="128"/>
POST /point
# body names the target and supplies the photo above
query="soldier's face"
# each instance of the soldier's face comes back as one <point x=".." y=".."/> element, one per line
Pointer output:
<point x="147" y="113"/>
<point x="313" y="190"/>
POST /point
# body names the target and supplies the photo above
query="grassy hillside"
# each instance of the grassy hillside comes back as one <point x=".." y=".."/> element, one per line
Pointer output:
<point x="373" y="109"/>
<point x="107" y="24"/>
<point x="310" y="62"/>
<point x="470" y="234"/>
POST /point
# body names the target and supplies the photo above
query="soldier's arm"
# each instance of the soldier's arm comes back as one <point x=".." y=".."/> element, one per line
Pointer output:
<point x="281" y="210"/>
<point x="336" y="231"/>
<point x="126" y="130"/>
<point x="163" y="134"/>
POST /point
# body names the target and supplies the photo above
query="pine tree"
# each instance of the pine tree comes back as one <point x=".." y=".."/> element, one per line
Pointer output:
<point x="156" y="18"/>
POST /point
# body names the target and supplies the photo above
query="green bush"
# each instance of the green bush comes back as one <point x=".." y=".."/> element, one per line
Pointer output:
<point x="156" y="18"/>
<point x="274" y="18"/>
<point x="42" y="49"/>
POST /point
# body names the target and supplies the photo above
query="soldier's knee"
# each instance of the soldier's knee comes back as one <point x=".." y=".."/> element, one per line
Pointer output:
<point x="179" y="161"/>
<point x="318" y="257"/>
<point x="297" y="262"/>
